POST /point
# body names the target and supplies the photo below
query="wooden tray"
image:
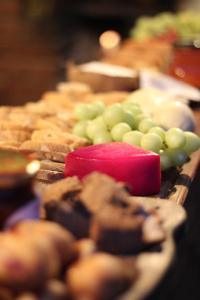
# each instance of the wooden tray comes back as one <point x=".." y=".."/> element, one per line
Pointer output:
<point x="175" y="184"/>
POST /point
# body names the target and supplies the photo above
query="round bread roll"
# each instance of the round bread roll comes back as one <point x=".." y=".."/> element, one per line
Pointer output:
<point x="51" y="234"/>
<point x="100" y="277"/>
<point x="21" y="267"/>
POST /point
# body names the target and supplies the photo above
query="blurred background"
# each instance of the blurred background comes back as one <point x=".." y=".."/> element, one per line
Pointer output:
<point x="38" y="36"/>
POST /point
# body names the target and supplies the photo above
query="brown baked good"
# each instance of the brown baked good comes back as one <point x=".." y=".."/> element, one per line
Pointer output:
<point x="32" y="252"/>
<point x="65" y="189"/>
<point x="100" y="277"/>
<point x="84" y="248"/>
<point x="110" y="193"/>
<point x="41" y="108"/>
<point x="52" y="165"/>
<point x="14" y="135"/>
<point x="138" y="55"/>
<point x="52" y="156"/>
<point x="49" y="236"/>
<point x="47" y="147"/>
<point x="72" y="216"/>
<point x="21" y="266"/>
<point x="49" y="176"/>
<point x="117" y="237"/>
<point x="61" y="121"/>
<point x="78" y="207"/>
<point x="62" y="205"/>
<point x="9" y="145"/>
<point x="74" y="89"/>
<point x="60" y="99"/>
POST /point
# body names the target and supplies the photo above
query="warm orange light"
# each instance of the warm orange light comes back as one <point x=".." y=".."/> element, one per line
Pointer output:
<point x="109" y="39"/>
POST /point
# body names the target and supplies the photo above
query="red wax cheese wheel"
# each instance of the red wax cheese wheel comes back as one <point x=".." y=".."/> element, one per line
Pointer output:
<point x="139" y="168"/>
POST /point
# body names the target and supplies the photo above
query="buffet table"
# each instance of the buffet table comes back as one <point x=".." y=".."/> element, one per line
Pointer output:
<point x="76" y="205"/>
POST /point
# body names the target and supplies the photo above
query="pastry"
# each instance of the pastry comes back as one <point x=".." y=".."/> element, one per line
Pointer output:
<point x="49" y="176"/>
<point x="100" y="277"/>
<point x="82" y="210"/>
<point x="51" y="165"/>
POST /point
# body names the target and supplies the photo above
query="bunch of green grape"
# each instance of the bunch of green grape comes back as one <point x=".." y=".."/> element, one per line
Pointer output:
<point x="126" y="122"/>
<point x="147" y="27"/>
<point x="186" y="24"/>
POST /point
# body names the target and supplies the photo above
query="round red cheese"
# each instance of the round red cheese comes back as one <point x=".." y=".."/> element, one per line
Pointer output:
<point x="138" y="168"/>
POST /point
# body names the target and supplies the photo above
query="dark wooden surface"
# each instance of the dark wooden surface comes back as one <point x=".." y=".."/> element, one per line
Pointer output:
<point x="29" y="62"/>
<point x="33" y="51"/>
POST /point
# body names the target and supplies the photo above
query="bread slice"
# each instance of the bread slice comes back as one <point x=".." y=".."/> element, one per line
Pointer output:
<point x="52" y="156"/>
<point x="48" y="175"/>
<point x="9" y="145"/>
<point x="14" y="135"/>
<point x="52" y="165"/>
<point x="74" y="89"/>
<point x="47" y="147"/>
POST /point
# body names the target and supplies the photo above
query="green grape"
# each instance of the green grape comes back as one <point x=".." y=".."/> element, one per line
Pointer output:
<point x="178" y="156"/>
<point x="102" y="138"/>
<point x="113" y="115"/>
<point x="100" y="120"/>
<point x="80" y="129"/>
<point x="165" y="160"/>
<point x="192" y="143"/>
<point x="133" y="137"/>
<point x="119" y="130"/>
<point x="84" y="112"/>
<point x="158" y="130"/>
<point x="135" y="110"/>
<point x="140" y="117"/>
<point x="175" y="138"/>
<point x="152" y="142"/>
<point x="99" y="107"/>
<point x="145" y="125"/>
<point x="129" y="119"/>
<point x="94" y="128"/>
<point x="128" y="105"/>
<point x="95" y="110"/>
<point x="129" y="100"/>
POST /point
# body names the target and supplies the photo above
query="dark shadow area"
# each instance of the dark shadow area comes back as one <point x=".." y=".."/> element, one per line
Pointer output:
<point x="182" y="280"/>
<point x="169" y="179"/>
<point x="37" y="37"/>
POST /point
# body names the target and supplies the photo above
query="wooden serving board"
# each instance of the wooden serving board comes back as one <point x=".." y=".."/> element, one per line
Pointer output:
<point x="175" y="183"/>
<point x="153" y="265"/>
